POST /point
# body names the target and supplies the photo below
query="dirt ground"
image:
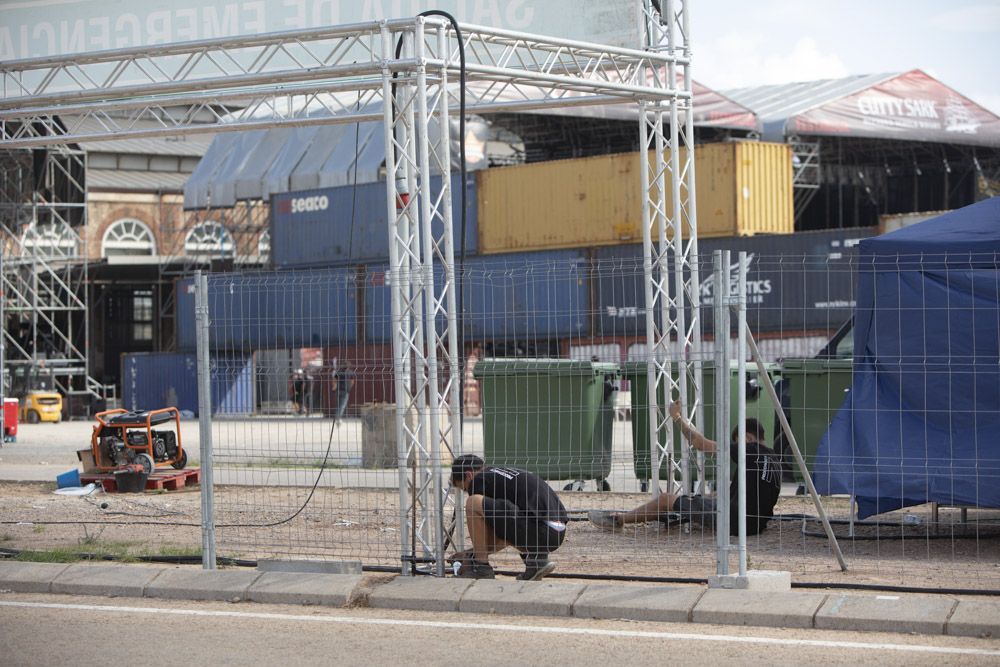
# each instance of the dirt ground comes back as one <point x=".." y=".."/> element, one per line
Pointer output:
<point x="362" y="524"/>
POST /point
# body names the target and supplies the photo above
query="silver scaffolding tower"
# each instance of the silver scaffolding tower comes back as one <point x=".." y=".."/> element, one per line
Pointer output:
<point x="43" y="212"/>
<point x="353" y="73"/>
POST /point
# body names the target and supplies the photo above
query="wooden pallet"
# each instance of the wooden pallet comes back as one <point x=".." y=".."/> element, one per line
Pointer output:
<point x="161" y="479"/>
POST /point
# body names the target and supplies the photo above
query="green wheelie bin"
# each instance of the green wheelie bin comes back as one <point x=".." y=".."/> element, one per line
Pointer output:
<point x="759" y="406"/>
<point x="816" y="390"/>
<point x="553" y="417"/>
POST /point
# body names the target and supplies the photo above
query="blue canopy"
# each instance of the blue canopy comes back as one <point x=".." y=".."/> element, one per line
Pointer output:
<point x="921" y="421"/>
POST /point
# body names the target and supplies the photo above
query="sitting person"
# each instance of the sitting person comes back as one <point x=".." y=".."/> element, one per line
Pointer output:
<point x="763" y="485"/>
<point x="507" y="507"/>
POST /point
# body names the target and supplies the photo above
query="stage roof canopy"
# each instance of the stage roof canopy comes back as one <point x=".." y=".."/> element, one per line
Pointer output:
<point x="908" y="106"/>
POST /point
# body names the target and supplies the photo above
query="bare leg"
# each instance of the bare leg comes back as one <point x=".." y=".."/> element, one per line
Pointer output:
<point x="484" y="542"/>
<point x="648" y="511"/>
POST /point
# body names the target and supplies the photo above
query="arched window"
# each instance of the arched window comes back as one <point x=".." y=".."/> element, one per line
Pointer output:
<point x="264" y="244"/>
<point x="57" y="240"/>
<point x="128" y="237"/>
<point x="209" y="239"/>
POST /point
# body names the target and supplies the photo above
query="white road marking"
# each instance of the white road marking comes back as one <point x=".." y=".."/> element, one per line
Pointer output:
<point x="449" y="625"/>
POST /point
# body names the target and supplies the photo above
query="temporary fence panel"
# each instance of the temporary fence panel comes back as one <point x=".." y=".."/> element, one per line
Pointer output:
<point x="272" y="310"/>
<point x="233" y="384"/>
<point x="525" y="297"/>
<point x="795" y="282"/>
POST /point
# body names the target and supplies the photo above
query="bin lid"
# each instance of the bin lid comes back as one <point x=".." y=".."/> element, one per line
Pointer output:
<point x="633" y="369"/>
<point x="817" y="365"/>
<point x="492" y="367"/>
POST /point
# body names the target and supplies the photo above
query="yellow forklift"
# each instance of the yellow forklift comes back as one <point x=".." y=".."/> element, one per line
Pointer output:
<point x="34" y="387"/>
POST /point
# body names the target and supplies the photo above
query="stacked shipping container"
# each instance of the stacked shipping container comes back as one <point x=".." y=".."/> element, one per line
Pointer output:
<point x="545" y="264"/>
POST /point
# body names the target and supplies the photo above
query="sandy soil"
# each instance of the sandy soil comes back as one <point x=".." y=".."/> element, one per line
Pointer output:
<point x="362" y="524"/>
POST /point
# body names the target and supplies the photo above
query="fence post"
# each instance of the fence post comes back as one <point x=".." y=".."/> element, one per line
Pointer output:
<point x="741" y="408"/>
<point x="721" y="328"/>
<point x="202" y="324"/>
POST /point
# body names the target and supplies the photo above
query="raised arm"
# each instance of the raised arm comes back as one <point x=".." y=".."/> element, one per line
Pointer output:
<point x="695" y="437"/>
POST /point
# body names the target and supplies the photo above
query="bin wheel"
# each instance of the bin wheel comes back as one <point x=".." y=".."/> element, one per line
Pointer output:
<point x="180" y="462"/>
<point x="575" y="485"/>
<point x="602" y="485"/>
<point x="644" y="487"/>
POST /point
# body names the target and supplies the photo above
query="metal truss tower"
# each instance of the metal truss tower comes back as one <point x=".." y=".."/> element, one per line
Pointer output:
<point x="670" y="244"/>
<point x="354" y="74"/>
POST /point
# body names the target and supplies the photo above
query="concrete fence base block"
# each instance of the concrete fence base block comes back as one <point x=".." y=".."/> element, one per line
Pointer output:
<point x="754" y="580"/>
<point x="634" y="603"/>
<point x="332" y="590"/>
<point x="975" y="618"/>
<point x="187" y="584"/>
<point x="520" y="598"/>
<point x="420" y="593"/>
<point x="885" y="613"/>
<point x="29" y="577"/>
<point x="762" y="608"/>
<point x="109" y="580"/>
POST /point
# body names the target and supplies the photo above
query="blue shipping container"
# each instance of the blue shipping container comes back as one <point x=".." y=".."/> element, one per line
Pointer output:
<point x="232" y="384"/>
<point x="526" y="296"/>
<point x="795" y="282"/>
<point x="317" y="227"/>
<point x="518" y="296"/>
<point x="378" y="303"/>
<point x="257" y="311"/>
<point x="154" y="380"/>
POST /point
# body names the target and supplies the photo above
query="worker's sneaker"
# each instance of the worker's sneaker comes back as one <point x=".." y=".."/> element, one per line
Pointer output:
<point x="607" y="520"/>
<point x="474" y="569"/>
<point x="535" y="570"/>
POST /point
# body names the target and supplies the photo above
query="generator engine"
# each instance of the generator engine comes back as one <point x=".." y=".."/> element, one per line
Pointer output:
<point x="164" y="445"/>
<point x="116" y="451"/>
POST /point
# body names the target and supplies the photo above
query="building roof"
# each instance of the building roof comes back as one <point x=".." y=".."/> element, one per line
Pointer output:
<point x="144" y="181"/>
<point x="193" y="145"/>
<point x="908" y="106"/>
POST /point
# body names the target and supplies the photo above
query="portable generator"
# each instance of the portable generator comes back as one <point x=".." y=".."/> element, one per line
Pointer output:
<point x="123" y="438"/>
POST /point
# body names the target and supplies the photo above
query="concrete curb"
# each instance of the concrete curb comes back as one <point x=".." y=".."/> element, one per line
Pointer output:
<point x="107" y="580"/>
<point x="924" y="614"/>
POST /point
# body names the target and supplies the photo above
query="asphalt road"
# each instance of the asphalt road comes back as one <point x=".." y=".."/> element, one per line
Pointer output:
<point x="66" y="630"/>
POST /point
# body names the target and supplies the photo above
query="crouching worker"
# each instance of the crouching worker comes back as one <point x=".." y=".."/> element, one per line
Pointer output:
<point x="507" y="507"/>
<point x="763" y="485"/>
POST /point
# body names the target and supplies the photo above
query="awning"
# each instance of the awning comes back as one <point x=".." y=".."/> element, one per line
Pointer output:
<point x="911" y="106"/>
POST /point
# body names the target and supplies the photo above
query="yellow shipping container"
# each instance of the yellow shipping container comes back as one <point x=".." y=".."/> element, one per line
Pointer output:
<point x="742" y="188"/>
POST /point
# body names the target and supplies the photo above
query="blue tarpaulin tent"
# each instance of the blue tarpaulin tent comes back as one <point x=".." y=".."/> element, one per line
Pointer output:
<point x="921" y="421"/>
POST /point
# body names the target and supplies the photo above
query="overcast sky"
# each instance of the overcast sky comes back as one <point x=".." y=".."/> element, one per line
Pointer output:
<point x="747" y="42"/>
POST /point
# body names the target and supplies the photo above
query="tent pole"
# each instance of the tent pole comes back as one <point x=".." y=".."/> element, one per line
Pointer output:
<point x="769" y="385"/>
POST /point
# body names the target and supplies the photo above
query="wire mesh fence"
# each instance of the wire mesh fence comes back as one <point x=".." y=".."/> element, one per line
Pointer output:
<point x="554" y="373"/>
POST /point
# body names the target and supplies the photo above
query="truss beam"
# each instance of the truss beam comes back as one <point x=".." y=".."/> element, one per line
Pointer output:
<point x="285" y="79"/>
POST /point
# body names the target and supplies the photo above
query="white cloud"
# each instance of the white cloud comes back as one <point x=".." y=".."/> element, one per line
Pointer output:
<point x="979" y="18"/>
<point x="747" y="59"/>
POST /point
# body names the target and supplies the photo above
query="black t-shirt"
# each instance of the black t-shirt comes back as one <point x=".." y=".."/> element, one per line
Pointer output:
<point x="345" y="379"/>
<point x="763" y="487"/>
<point x="529" y="492"/>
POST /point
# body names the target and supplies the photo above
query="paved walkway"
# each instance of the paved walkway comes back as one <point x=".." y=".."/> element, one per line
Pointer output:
<point x="923" y="614"/>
